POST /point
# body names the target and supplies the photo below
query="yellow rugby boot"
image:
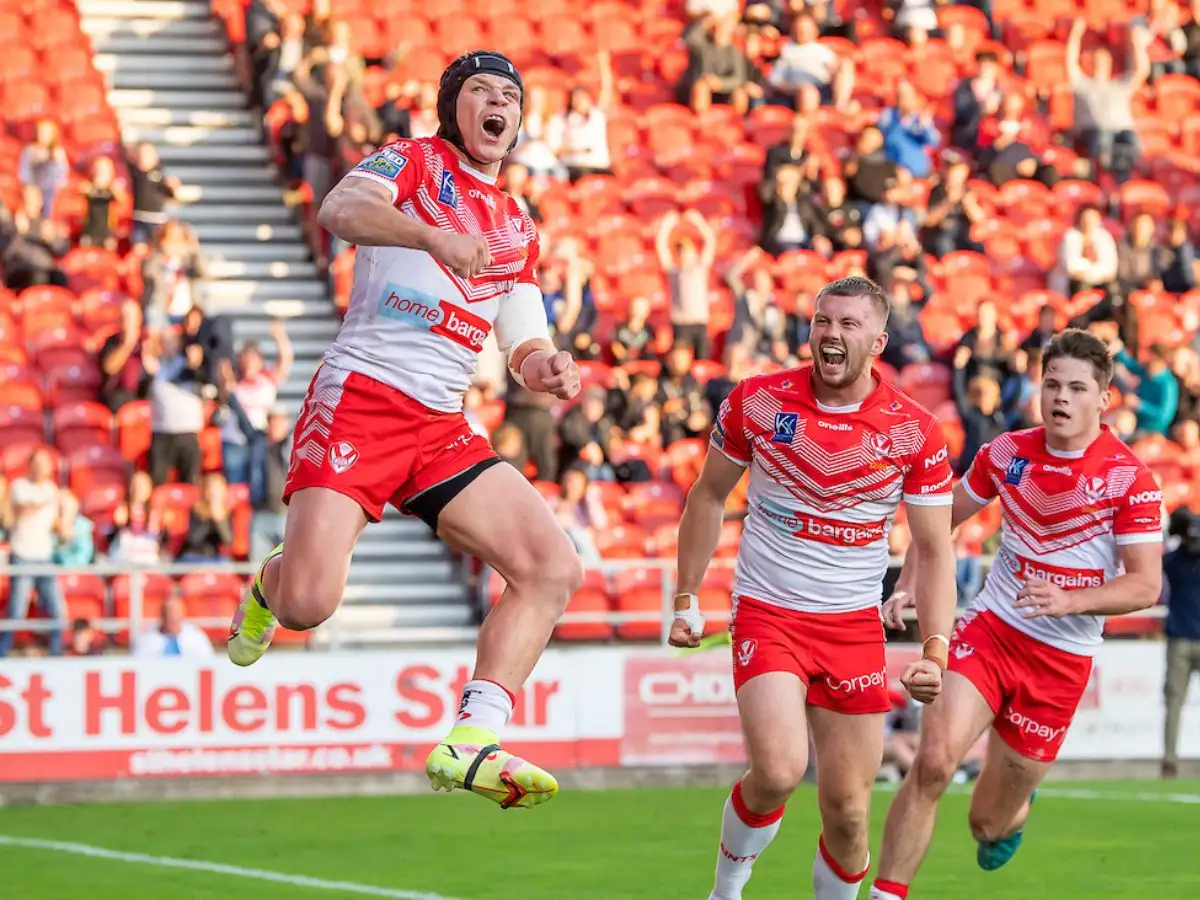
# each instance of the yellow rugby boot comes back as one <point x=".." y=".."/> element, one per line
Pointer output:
<point x="471" y="759"/>
<point x="253" y="626"/>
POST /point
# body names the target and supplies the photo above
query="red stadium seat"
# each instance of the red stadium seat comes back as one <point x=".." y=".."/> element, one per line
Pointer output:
<point x="641" y="592"/>
<point x="133" y="430"/>
<point x="96" y="466"/>
<point x="80" y="424"/>
<point x="86" y="595"/>
<point x="590" y="599"/>
<point x="20" y="425"/>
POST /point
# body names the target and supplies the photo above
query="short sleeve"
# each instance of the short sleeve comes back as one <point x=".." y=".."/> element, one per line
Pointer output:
<point x="929" y="479"/>
<point x="729" y="432"/>
<point x="1139" y="512"/>
<point x="397" y="167"/>
<point x="978" y="481"/>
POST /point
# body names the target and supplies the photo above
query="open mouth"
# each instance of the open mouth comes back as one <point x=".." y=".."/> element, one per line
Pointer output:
<point x="493" y="126"/>
<point x="1060" y="415"/>
<point x="832" y="355"/>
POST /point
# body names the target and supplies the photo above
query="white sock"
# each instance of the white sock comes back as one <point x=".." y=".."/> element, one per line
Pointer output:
<point x="831" y="881"/>
<point x="485" y="704"/>
<point x="744" y="835"/>
<point x="878" y="893"/>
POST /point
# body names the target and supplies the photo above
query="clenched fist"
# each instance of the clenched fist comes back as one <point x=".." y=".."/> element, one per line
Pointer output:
<point x="466" y="255"/>
<point x="923" y="680"/>
<point x="552" y="373"/>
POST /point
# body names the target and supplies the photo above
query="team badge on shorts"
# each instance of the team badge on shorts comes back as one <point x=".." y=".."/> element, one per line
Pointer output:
<point x="342" y="457"/>
<point x="447" y="192"/>
<point x="785" y="427"/>
<point x="745" y="652"/>
<point x="1016" y="468"/>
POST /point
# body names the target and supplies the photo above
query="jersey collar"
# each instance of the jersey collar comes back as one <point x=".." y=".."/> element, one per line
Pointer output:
<point x="806" y="388"/>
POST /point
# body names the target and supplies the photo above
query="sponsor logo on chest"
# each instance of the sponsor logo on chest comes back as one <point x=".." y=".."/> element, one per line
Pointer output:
<point x="439" y="317"/>
<point x="1069" y="579"/>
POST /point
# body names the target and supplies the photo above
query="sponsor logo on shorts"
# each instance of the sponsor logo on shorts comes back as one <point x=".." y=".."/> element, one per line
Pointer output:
<point x="1154" y="497"/>
<point x="1031" y="727"/>
<point x="857" y="684"/>
<point x="1067" y="579"/>
<point x="447" y="192"/>
<point x="428" y="312"/>
<point x="785" y="427"/>
<point x="745" y="651"/>
<point x="342" y="457"/>
<point x="839" y="534"/>
<point x="1016" y="468"/>
<point x="386" y="163"/>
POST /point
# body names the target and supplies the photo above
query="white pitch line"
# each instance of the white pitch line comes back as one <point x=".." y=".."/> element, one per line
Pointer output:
<point x="198" y="865"/>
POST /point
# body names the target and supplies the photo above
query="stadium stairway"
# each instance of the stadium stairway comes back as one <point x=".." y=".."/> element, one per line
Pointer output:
<point x="172" y="81"/>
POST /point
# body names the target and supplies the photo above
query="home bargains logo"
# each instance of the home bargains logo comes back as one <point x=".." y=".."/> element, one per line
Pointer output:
<point x="428" y="312"/>
<point x="840" y="534"/>
<point x="1067" y="579"/>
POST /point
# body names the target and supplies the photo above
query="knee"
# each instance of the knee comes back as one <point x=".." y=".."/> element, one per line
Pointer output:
<point x="773" y="781"/>
<point x="844" y="818"/>
<point x="934" y="769"/>
<point x="551" y="567"/>
<point x="986" y="826"/>
<point x="300" y="603"/>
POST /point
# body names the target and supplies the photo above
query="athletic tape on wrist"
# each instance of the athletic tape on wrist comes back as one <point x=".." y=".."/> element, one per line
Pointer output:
<point x="691" y="616"/>
<point x="941" y="658"/>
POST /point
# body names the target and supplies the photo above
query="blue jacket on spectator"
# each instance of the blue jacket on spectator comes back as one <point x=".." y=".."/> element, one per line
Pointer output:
<point x="1181" y="571"/>
<point x="906" y="141"/>
<point x="1157" y="393"/>
<point x="80" y="550"/>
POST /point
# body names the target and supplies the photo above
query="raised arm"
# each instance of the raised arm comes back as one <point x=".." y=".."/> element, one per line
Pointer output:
<point x="1074" y="48"/>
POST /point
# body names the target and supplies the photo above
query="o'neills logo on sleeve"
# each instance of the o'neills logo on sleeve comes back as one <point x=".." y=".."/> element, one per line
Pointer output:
<point x="840" y="534"/>
<point x="1067" y="579"/>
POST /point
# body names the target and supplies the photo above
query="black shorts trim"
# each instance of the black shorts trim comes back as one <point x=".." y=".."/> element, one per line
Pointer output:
<point x="428" y="505"/>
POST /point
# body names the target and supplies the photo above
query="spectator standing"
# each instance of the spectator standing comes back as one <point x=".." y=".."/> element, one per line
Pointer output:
<point x="324" y="88"/>
<point x="689" y="270"/>
<point x="172" y="636"/>
<point x="255" y="391"/>
<point x="99" y="193"/>
<point x="579" y="135"/>
<point x="137" y="531"/>
<point x="984" y="347"/>
<point x="210" y="528"/>
<point x="1181" y="572"/>
<point x="908" y="131"/>
<point x="266" y="525"/>
<point x="120" y="360"/>
<point x="36" y="507"/>
<point x="1104" y="124"/>
<point x="74" y="534"/>
<point x="1156" y="398"/>
<point x="153" y="189"/>
<point x="170" y="273"/>
<point x="791" y="220"/>
<point x="975" y="99"/>
<point x="792" y="152"/>
<point x="173" y="380"/>
<point x="263" y="21"/>
<point x="759" y="325"/>
<point x="1187" y="40"/>
<point x="43" y="169"/>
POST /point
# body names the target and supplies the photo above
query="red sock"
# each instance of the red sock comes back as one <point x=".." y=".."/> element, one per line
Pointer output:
<point x="885" y="890"/>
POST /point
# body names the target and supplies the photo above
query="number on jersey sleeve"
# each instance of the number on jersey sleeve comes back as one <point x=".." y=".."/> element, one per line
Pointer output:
<point x="1139" y="512"/>
<point x="396" y="166"/>
<point x="929" y="477"/>
<point x="729" y="431"/>
<point x="978" y="481"/>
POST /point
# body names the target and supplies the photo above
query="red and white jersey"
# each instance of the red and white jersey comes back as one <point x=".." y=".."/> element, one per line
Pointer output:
<point x="412" y="323"/>
<point x="1064" y="516"/>
<point x="825" y="483"/>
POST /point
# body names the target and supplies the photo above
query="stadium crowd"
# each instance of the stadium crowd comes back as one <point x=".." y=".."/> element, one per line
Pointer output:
<point x="696" y="175"/>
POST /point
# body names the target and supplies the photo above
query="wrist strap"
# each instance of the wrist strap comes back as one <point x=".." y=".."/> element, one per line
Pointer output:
<point x="940" y="652"/>
<point x="691" y="615"/>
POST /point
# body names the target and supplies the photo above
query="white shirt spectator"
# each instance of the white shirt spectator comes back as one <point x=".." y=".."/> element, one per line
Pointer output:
<point x="36" y="507"/>
<point x="1091" y="260"/>
<point x="189" y="642"/>
<point x="802" y="64"/>
<point x="256" y="395"/>
<point x="581" y="141"/>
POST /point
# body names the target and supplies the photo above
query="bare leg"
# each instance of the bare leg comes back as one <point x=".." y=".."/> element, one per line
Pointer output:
<point x="849" y="749"/>
<point x="1000" y="802"/>
<point x="951" y="725"/>
<point x="772" y="710"/>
